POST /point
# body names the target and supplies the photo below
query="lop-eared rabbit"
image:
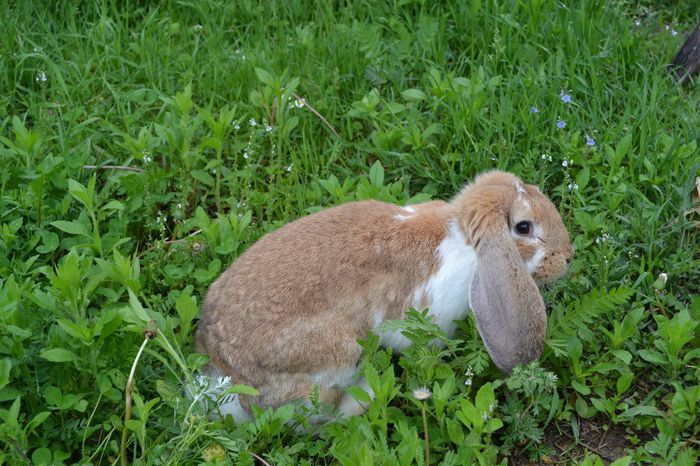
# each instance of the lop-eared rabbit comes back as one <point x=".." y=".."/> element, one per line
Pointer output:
<point x="286" y="316"/>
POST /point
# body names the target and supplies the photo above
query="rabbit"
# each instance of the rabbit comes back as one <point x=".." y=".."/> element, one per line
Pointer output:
<point x="287" y="314"/>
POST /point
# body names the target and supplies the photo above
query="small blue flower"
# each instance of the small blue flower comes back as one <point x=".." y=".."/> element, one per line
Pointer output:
<point x="590" y="141"/>
<point x="561" y="124"/>
<point x="533" y="109"/>
<point x="566" y="98"/>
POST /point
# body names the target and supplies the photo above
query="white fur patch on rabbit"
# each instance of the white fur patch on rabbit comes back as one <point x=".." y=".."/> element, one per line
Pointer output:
<point x="534" y="262"/>
<point x="234" y="408"/>
<point x="446" y="293"/>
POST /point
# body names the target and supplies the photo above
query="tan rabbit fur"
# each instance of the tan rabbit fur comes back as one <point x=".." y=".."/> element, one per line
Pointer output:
<point x="286" y="316"/>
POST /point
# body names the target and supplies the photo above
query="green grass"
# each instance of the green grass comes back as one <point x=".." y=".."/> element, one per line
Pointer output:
<point x="418" y="97"/>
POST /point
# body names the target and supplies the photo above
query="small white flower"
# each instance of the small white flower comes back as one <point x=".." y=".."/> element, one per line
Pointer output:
<point x="198" y="28"/>
<point x="485" y="416"/>
<point x="41" y="76"/>
<point x="637" y="22"/>
<point x="565" y="163"/>
<point x="660" y="282"/>
<point x="252" y="122"/>
<point x="602" y="238"/>
<point x="298" y="103"/>
<point x="491" y="406"/>
<point x="468" y="382"/>
<point x="268" y="128"/>
<point x="422" y="393"/>
<point x="573" y="187"/>
<point x="147" y="157"/>
<point x="289" y="168"/>
<point x="245" y="154"/>
<point x="674" y="33"/>
<point x="179" y="206"/>
<point x="667" y="27"/>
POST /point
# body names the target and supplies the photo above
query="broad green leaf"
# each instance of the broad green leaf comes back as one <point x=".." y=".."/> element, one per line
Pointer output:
<point x="37" y="420"/>
<point x="640" y="410"/>
<point x="58" y="355"/>
<point x="359" y="394"/>
<point x="376" y="174"/>
<point x="414" y="95"/>
<point x="264" y="76"/>
<point x="242" y="389"/>
<point x="74" y="228"/>
<point x="13" y="412"/>
<point x="652" y="356"/>
<point x="582" y="178"/>
<point x="186" y="308"/>
<point x="623" y="356"/>
<point x="113" y="205"/>
<point x="624" y="382"/>
<point x="485" y="398"/>
<point x="41" y="456"/>
<point x="50" y="242"/>
<point x="80" y="193"/>
<point x="624" y="461"/>
<point x="580" y="387"/>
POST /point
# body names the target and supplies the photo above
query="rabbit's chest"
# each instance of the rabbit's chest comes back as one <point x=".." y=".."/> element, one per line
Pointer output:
<point x="446" y="292"/>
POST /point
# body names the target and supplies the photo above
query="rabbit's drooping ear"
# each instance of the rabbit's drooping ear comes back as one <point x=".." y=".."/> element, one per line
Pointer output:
<point x="509" y="310"/>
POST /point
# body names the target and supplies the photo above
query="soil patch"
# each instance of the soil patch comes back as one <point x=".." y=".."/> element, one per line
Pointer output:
<point x="608" y="441"/>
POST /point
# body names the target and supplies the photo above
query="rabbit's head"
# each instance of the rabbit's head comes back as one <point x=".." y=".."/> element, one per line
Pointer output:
<point x="520" y="241"/>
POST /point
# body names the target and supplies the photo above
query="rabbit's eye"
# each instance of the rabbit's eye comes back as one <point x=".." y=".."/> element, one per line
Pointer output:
<point x="523" y="228"/>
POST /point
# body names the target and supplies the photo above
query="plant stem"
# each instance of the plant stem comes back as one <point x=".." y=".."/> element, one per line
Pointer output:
<point x="426" y="435"/>
<point x="20" y="451"/>
<point x="129" y="389"/>
<point x="315" y="112"/>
